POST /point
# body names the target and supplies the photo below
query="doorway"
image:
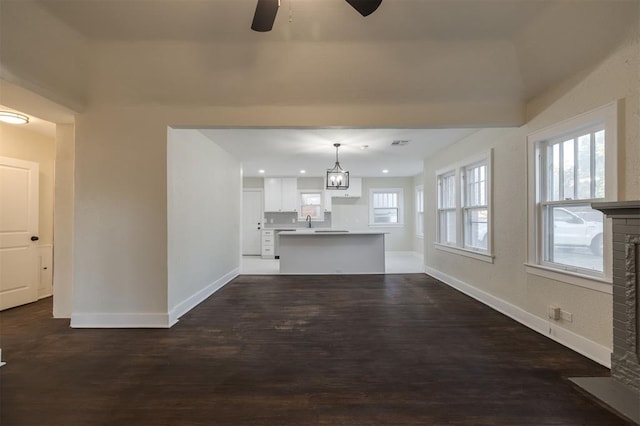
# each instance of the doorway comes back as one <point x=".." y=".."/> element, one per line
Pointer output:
<point x="27" y="168"/>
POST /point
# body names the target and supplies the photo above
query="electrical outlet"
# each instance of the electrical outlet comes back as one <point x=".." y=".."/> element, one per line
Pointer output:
<point x="554" y="312"/>
<point x="566" y="316"/>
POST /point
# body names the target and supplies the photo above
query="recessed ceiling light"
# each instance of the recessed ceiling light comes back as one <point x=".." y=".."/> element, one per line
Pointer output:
<point x="303" y="171"/>
<point x="385" y="171"/>
<point x="13" y="117"/>
<point x="261" y="171"/>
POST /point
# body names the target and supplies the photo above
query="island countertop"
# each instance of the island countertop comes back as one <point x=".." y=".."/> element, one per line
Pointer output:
<point x="333" y="251"/>
<point x="312" y="231"/>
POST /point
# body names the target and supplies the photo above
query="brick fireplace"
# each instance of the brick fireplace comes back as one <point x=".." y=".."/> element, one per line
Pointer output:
<point x="622" y="390"/>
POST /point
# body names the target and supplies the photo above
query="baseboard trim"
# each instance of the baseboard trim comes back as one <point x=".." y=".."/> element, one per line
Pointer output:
<point x="192" y="301"/>
<point x="124" y="320"/>
<point x="592" y="350"/>
<point x="150" y="320"/>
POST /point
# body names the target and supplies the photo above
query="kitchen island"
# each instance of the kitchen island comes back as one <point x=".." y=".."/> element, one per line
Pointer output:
<point x="331" y="252"/>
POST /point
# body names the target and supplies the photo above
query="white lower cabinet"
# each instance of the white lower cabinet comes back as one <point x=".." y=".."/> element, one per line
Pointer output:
<point x="268" y="244"/>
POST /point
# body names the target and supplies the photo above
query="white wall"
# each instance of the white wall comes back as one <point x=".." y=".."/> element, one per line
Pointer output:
<point x="505" y="284"/>
<point x="353" y="213"/>
<point x="251" y="182"/>
<point x="32" y="37"/>
<point x="203" y="211"/>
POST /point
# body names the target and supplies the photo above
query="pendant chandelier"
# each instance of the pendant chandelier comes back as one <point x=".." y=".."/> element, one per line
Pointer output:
<point x="337" y="178"/>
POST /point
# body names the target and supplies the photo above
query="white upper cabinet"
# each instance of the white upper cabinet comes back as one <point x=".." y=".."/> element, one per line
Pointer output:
<point x="280" y="195"/>
<point x="327" y="200"/>
<point x="354" y="190"/>
<point x="289" y="194"/>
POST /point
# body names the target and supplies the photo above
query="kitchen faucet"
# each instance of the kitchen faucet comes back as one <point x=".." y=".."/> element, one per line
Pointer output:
<point x="308" y="220"/>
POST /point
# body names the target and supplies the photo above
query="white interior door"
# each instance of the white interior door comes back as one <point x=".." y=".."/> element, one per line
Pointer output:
<point x="19" y="264"/>
<point x="252" y="217"/>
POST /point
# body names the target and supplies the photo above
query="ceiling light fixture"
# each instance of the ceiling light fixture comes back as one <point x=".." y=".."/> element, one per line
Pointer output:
<point x="261" y="171"/>
<point x="13" y="117"/>
<point x="337" y="178"/>
<point x="303" y="172"/>
<point x="385" y="171"/>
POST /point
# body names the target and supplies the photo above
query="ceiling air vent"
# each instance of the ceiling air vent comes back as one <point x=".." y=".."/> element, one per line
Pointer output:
<point x="399" y="143"/>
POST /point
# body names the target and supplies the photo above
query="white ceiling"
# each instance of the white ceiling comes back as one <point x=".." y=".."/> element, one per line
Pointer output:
<point x="284" y="152"/>
<point x="445" y="61"/>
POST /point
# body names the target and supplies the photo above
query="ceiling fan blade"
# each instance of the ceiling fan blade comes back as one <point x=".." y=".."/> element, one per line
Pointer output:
<point x="365" y="7"/>
<point x="265" y="15"/>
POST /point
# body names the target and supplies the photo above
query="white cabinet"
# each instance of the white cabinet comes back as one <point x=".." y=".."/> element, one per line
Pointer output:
<point x="280" y="195"/>
<point x="354" y="190"/>
<point x="327" y="200"/>
<point x="268" y="244"/>
<point x="289" y="194"/>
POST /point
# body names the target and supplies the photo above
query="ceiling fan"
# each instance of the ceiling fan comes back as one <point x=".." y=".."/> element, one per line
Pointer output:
<point x="266" y="11"/>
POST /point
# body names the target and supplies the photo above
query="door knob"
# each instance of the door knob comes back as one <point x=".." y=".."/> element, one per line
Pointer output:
<point x="34" y="238"/>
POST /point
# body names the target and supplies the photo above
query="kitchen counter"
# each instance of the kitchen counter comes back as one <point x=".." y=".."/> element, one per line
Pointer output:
<point x="328" y="251"/>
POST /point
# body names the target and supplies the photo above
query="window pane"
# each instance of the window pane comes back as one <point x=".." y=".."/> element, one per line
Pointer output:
<point x="476" y="228"/>
<point x="599" y="164"/>
<point x="385" y="200"/>
<point x="574" y="236"/>
<point x="385" y="216"/>
<point x="420" y="224"/>
<point x="447" y="197"/>
<point x="311" y="199"/>
<point x="448" y="226"/>
<point x="556" y="178"/>
<point x="584" y="167"/>
<point x="475" y="192"/>
<point x="313" y="211"/>
<point x="567" y="169"/>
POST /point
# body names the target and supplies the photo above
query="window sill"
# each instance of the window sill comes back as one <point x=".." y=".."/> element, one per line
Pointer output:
<point x="586" y="281"/>
<point x="485" y="257"/>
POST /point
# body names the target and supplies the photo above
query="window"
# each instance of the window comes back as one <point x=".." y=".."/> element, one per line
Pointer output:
<point x="385" y="207"/>
<point x="311" y="205"/>
<point x="569" y="164"/>
<point x="419" y="211"/>
<point x="463" y="204"/>
<point x="571" y="175"/>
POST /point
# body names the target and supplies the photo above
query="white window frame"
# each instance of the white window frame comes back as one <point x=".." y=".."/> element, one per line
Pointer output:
<point x="467" y="207"/>
<point x="607" y="116"/>
<point x="441" y="209"/>
<point x="320" y="192"/>
<point x="458" y="170"/>
<point x="419" y="208"/>
<point x="400" y="193"/>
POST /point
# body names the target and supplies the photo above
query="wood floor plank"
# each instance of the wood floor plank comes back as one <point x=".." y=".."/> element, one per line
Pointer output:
<point x="292" y="350"/>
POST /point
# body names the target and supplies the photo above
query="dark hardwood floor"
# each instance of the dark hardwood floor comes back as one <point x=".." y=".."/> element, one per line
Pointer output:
<point x="286" y="350"/>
